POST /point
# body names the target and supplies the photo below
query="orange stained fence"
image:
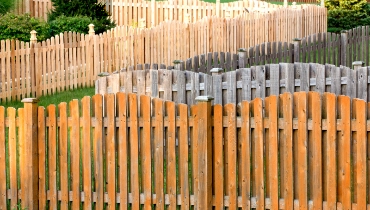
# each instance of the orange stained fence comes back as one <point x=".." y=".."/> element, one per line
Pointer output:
<point x="301" y="150"/>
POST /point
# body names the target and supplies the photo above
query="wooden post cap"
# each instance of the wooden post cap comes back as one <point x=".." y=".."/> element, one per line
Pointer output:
<point x="242" y="50"/>
<point x="204" y="98"/>
<point x="91" y="29"/>
<point x="297" y="40"/>
<point x="30" y="100"/>
<point x="33" y="38"/>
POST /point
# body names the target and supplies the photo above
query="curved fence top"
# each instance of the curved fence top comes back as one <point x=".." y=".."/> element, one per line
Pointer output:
<point x="242" y="84"/>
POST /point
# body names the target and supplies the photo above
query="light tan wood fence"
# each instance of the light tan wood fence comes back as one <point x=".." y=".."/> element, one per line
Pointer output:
<point x="301" y="150"/>
<point x="152" y="13"/>
<point x="130" y="12"/>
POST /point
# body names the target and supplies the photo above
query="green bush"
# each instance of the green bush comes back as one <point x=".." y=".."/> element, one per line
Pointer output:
<point x="94" y="9"/>
<point x="19" y="27"/>
<point x="6" y="5"/>
<point x="76" y="24"/>
<point x="347" y="14"/>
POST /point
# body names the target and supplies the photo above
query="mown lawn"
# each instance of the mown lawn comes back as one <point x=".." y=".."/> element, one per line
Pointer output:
<point x="57" y="98"/>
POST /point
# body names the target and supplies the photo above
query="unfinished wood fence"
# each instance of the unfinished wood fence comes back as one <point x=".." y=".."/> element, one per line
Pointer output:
<point x="36" y="8"/>
<point x="132" y="12"/>
<point x="242" y="84"/>
<point x="300" y="150"/>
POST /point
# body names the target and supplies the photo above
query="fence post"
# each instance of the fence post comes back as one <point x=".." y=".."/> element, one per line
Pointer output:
<point x="204" y="157"/>
<point x="91" y="30"/>
<point x="285" y="3"/>
<point x="177" y="64"/>
<point x="33" y="38"/>
<point x="242" y="52"/>
<point x="322" y="3"/>
<point x="343" y="47"/>
<point x="30" y="161"/>
<point x="33" y="42"/>
<point x="296" y="54"/>
<point x="358" y="64"/>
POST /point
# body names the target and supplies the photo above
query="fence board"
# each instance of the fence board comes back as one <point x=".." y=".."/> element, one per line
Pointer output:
<point x="3" y="187"/>
<point x="52" y="152"/>
<point x="42" y="157"/>
<point x="63" y="155"/>
<point x="86" y="152"/>
<point x="110" y="150"/>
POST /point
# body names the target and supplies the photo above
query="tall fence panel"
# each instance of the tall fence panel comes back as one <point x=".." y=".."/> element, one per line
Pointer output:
<point x="298" y="144"/>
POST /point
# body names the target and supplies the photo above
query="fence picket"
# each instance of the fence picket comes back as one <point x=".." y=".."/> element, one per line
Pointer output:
<point x="63" y="155"/>
<point x="158" y="152"/>
<point x="286" y="149"/>
<point x="123" y="150"/>
<point x="134" y="151"/>
<point x="97" y="102"/>
<point x="52" y="153"/>
<point x="171" y="154"/>
<point x="271" y="150"/>
<point x="75" y="152"/>
<point x="12" y="157"/>
<point x="110" y="149"/>
<point x="315" y="155"/>
<point x="42" y="157"/>
<point x="183" y="156"/>
<point x="3" y="187"/>
<point x="86" y="152"/>
<point x="359" y="153"/>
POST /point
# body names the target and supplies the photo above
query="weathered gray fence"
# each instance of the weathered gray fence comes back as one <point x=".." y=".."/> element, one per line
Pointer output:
<point x="242" y="84"/>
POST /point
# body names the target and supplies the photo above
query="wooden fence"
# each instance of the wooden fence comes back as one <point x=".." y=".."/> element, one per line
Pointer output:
<point x="132" y="12"/>
<point x="73" y="60"/>
<point x="289" y="151"/>
<point x="242" y="84"/>
<point x="37" y="8"/>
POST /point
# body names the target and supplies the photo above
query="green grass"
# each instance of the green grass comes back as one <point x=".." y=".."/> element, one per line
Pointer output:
<point x="56" y="99"/>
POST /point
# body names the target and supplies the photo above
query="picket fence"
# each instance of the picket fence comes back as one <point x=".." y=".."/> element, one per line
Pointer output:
<point x="242" y="84"/>
<point x="132" y="12"/>
<point x="300" y="150"/>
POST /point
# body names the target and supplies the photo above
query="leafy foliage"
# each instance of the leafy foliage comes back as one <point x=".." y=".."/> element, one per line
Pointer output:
<point x="6" y="5"/>
<point x="19" y="27"/>
<point x="78" y="8"/>
<point x="347" y="14"/>
<point x="75" y="24"/>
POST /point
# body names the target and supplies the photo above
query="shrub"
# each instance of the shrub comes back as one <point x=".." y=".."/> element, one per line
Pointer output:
<point x="77" y="24"/>
<point x="6" y="5"/>
<point x="19" y="27"/>
<point x="77" y="8"/>
<point x="347" y="14"/>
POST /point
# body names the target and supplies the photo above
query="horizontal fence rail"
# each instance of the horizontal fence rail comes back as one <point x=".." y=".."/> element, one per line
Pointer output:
<point x="301" y="150"/>
<point x="242" y="84"/>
